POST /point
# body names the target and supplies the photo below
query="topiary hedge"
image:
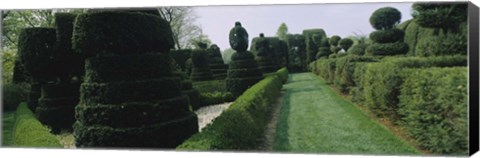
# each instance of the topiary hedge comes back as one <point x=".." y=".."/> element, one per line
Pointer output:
<point x="312" y="44"/>
<point x="388" y="40"/>
<point x="242" y="124"/>
<point x="445" y="44"/>
<point x="345" y="69"/>
<point x="434" y="109"/>
<point x="159" y="116"/>
<point x="109" y="32"/>
<point x="29" y="132"/>
<point x="345" y="43"/>
<point x="413" y="34"/>
<point x="181" y="57"/>
<point x="387" y="36"/>
<point x="296" y="61"/>
<point x="383" y="80"/>
<point x="200" y="66"/>
<point x="216" y="64"/>
<point x="265" y="55"/>
<point x="396" y="48"/>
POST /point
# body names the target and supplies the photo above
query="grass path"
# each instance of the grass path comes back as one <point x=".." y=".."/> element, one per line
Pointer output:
<point x="7" y="125"/>
<point x="313" y="118"/>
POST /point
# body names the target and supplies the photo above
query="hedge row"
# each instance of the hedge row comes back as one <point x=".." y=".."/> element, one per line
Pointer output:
<point x="345" y="68"/>
<point x="434" y="108"/>
<point x="239" y="127"/>
<point x="383" y="80"/>
<point x="29" y="132"/>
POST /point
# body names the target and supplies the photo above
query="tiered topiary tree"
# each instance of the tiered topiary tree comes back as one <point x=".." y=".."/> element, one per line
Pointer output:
<point x="130" y="97"/>
<point x="323" y="47"/>
<point x="279" y="50"/>
<point x="296" y="53"/>
<point x="187" y="87"/>
<point x="19" y="73"/>
<point x="200" y="64"/>
<point x="345" y="44"/>
<point x="313" y="37"/>
<point x="35" y="48"/>
<point x="448" y="20"/>
<point x="333" y="41"/>
<point x="388" y="40"/>
<point x="265" y="58"/>
<point x="216" y="64"/>
<point x="243" y="71"/>
<point x="56" y="107"/>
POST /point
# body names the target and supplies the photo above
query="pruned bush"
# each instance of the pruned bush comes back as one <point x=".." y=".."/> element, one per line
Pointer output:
<point x="449" y="44"/>
<point x="387" y="48"/>
<point x="385" y="18"/>
<point x="334" y="40"/>
<point x="387" y="36"/>
<point x="383" y="80"/>
<point x="200" y="67"/>
<point x="413" y="34"/>
<point x="434" y="109"/>
<point x="180" y="57"/>
<point x="72" y="64"/>
<point x="29" y="132"/>
<point x="216" y="64"/>
<point x="242" y="124"/>
<point x="14" y="94"/>
<point x="358" y="49"/>
<point x="118" y="33"/>
<point x="345" y="69"/>
<point x="314" y="38"/>
<point x="345" y="43"/>
<point x="296" y="52"/>
<point x="265" y="55"/>
<point x="323" y="52"/>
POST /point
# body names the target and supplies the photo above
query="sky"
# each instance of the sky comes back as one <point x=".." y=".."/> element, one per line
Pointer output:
<point x="336" y="19"/>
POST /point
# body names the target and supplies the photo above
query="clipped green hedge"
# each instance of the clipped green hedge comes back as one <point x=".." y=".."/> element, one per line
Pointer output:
<point x="120" y="33"/>
<point x="312" y="44"/>
<point x="395" y="48"/>
<point x="345" y="69"/>
<point x="387" y="36"/>
<point x="413" y="34"/>
<point x="383" y="80"/>
<point x="434" y="109"/>
<point x="239" y="127"/>
<point x="449" y="44"/>
<point x="29" y="132"/>
<point x="326" y="69"/>
<point x="181" y="57"/>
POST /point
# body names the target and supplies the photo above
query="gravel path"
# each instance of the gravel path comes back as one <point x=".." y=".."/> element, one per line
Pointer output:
<point x="208" y="113"/>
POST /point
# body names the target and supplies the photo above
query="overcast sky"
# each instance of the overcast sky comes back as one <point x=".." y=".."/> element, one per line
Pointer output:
<point x="336" y="19"/>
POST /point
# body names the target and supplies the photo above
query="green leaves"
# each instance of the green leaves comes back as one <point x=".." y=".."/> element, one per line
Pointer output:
<point x="385" y="18"/>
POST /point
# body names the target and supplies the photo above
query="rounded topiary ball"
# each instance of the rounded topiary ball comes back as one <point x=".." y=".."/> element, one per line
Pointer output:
<point x="387" y="36"/>
<point x="238" y="38"/>
<point x="385" y="18"/>
<point x="345" y="43"/>
<point x="334" y="40"/>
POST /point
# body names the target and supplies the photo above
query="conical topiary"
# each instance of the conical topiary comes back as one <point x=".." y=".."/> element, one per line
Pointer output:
<point x="216" y="64"/>
<point x="200" y="67"/>
<point x="130" y="97"/>
<point x="243" y="71"/>
<point x="187" y="87"/>
<point x="265" y="58"/>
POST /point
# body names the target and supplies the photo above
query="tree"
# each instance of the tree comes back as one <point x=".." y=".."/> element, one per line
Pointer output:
<point x="181" y="20"/>
<point x="445" y="16"/>
<point x="282" y="32"/>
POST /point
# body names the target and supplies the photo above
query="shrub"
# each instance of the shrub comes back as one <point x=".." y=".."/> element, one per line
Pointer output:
<point x="14" y="94"/>
<point x="265" y="57"/>
<point x="334" y="40"/>
<point x="387" y="36"/>
<point x="434" y="109"/>
<point x="383" y="80"/>
<point x="413" y="34"/>
<point x="446" y="16"/>
<point x="357" y="92"/>
<point x="312" y="44"/>
<point x="180" y="57"/>
<point x="358" y="49"/>
<point x="296" y="52"/>
<point x="200" y="70"/>
<point x="385" y="18"/>
<point x="72" y="64"/>
<point x="216" y="64"/>
<point x="326" y="68"/>
<point x="243" y="72"/>
<point x="449" y="44"/>
<point x="29" y="132"/>
<point x="238" y="38"/>
<point x="345" y="43"/>
<point x="125" y="33"/>
<point x="387" y="48"/>
<point x="345" y="69"/>
<point x="323" y="52"/>
<point x="242" y="124"/>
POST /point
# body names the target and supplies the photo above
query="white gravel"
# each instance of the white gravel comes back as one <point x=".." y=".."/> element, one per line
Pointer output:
<point x="207" y="114"/>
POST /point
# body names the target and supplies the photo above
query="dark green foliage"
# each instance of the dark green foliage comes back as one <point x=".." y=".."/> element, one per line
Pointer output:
<point x="29" y="132"/>
<point x="358" y="77"/>
<point x="326" y="68"/>
<point x="314" y="38"/>
<point x="188" y="67"/>
<point x="151" y="11"/>
<point x="403" y="26"/>
<point x="387" y="36"/>
<point x="279" y="49"/>
<point x="265" y="55"/>
<point x="33" y="95"/>
<point x="345" y="69"/>
<point x="200" y="67"/>
<point x="242" y="63"/>
<point x="121" y="33"/>
<point x="387" y="48"/>
<point x="333" y="41"/>
<point x="449" y="44"/>
<point x="181" y="56"/>
<point x="19" y="73"/>
<point x="345" y="43"/>
<point x="238" y="38"/>
<point x="132" y="67"/>
<point x="385" y="18"/>
<point x="413" y="34"/>
<point x="323" y="52"/>
<point x="159" y="135"/>
<point x="242" y="124"/>
<point x="216" y="64"/>
<point x="296" y="60"/>
<point x="35" y="47"/>
<point x="358" y="49"/>
<point x="383" y="80"/>
<point x="434" y="109"/>
<point x="13" y="95"/>
<point x="72" y="64"/>
<point x="446" y="16"/>
<point x="335" y="49"/>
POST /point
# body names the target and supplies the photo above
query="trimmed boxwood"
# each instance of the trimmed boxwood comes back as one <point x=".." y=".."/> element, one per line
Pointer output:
<point x="237" y="86"/>
<point x="449" y="44"/>
<point x="139" y="113"/>
<point x="383" y="80"/>
<point x="35" y="48"/>
<point x="240" y="73"/>
<point x="323" y="52"/>
<point x="246" y="64"/>
<point x="29" y="132"/>
<point x="345" y="69"/>
<point x="242" y="62"/>
<point x="200" y="70"/>
<point x="216" y="64"/>
<point x="121" y="33"/>
<point x="160" y="135"/>
<point x="33" y="95"/>
<point x="138" y="90"/>
<point x="358" y="49"/>
<point x="72" y="64"/>
<point x="242" y="124"/>
<point x="387" y="36"/>
<point x="434" y="109"/>
<point x="387" y="48"/>
<point x="414" y="33"/>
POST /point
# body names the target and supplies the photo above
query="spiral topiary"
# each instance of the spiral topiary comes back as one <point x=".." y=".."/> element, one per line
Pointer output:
<point x="243" y="71"/>
<point x="138" y="103"/>
<point x="265" y="58"/>
<point x="388" y="40"/>
<point x="216" y="64"/>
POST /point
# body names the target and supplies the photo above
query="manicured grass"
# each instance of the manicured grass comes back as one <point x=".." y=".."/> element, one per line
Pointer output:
<point x="7" y="126"/>
<point x="313" y="118"/>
